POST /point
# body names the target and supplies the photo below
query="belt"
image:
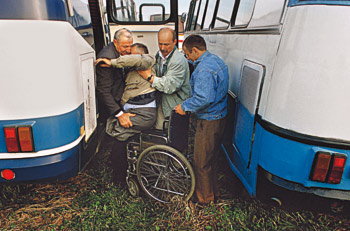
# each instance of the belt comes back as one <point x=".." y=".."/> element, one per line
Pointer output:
<point x="143" y="99"/>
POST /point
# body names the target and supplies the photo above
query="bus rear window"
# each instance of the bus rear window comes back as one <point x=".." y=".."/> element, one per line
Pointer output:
<point x="141" y="10"/>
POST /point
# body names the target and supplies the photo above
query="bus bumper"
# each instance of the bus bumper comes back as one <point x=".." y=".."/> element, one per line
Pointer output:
<point x="58" y="166"/>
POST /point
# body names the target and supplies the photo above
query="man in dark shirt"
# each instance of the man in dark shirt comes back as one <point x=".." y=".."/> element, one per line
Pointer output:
<point x="110" y="88"/>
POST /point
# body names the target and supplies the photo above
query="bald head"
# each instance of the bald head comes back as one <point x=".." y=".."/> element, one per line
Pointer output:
<point x="167" y="32"/>
<point x="166" y="41"/>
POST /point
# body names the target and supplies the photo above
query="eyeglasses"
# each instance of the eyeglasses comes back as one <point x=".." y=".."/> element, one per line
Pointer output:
<point x="183" y="52"/>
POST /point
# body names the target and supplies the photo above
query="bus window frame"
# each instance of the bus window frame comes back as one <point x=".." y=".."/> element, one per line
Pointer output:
<point x="173" y="18"/>
<point x="210" y="26"/>
<point x="194" y="25"/>
<point x="235" y="13"/>
<point x="151" y="4"/>
<point x="190" y="15"/>
<point x="231" y="18"/>
<point x="123" y="9"/>
<point x="203" y="14"/>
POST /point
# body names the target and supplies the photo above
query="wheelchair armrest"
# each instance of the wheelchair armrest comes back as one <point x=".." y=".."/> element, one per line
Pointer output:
<point x="178" y="130"/>
<point x="166" y="124"/>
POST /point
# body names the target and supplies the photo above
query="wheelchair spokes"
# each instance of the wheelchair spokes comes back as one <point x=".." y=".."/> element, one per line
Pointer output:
<point x="163" y="172"/>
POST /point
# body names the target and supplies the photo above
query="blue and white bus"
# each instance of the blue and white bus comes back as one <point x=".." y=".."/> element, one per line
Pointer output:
<point x="289" y="64"/>
<point x="48" y="115"/>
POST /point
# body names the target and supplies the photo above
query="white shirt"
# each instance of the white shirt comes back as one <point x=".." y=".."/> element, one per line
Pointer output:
<point x="162" y="61"/>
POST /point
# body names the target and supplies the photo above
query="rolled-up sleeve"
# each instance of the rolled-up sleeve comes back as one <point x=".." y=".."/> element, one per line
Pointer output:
<point x="138" y="62"/>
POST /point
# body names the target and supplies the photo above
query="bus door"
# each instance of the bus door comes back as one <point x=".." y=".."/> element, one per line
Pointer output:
<point x="246" y="109"/>
<point x="144" y="18"/>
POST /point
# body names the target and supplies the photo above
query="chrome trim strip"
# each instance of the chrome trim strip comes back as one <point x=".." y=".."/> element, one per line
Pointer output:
<point x="303" y="138"/>
<point x="323" y="192"/>
<point x="48" y="152"/>
<point x="236" y="30"/>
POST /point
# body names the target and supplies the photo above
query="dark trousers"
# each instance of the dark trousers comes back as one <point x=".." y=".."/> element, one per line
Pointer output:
<point x="144" y="119"/>
<point x="209" y="134"/>
<point x="119" y="161"/>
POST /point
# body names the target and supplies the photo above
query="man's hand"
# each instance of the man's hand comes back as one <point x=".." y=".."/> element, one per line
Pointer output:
<point x="179" y="110"/>
<point x="145" y="74"/>
<point x="104" y="62"/>
<point x="124" y="119"/>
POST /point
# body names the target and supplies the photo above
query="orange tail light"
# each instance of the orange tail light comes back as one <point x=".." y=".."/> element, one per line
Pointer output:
<point x="25" y="139"/>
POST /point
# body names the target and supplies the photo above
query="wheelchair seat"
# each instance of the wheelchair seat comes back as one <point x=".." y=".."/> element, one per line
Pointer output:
<point x="174" y="133"/>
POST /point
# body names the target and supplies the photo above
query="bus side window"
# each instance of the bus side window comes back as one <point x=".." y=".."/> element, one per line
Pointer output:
<point x="194" y="25"/>
<point x="223" y="16"/>
<point x="244" y="14"/>
<point x="209" y="14"/>
<point x="123" y="10"/>
<point x="200" y="14"/>
<point x="267" y="15"/>
<point x="141" y="11"/>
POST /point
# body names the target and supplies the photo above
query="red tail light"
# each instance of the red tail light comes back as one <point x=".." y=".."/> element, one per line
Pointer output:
<point x="8" y="174"/>
<point x="25" y="139"/>
<point x="321" y="166"/>
<point x="11" y="139"/>
<point x="337" y="169"/>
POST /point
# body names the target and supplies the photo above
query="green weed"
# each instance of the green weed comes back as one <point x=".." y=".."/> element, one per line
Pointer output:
<point x="90" y="201"/>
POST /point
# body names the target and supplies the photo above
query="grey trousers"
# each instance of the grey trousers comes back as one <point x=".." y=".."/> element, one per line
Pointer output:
<point x="143" y="120"/>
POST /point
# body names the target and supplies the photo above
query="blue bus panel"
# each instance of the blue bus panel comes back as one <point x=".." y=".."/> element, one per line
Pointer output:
<point x="49" y="132"/>
<point x="318" y="2"/>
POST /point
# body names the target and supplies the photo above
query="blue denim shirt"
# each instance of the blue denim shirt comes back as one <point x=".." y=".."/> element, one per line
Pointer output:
<point x="209" y="83"/>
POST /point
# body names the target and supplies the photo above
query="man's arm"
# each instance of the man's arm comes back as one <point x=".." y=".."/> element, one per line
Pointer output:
<point x="203" y="94"/>
<point x="138" y="62"/>
<point x="104" y="78"/>
<point x="103" y="62"/>
<point x="104" y="92"/>
<point x="172" y="81"/>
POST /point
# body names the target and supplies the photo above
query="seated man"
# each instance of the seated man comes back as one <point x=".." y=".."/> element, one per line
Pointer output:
<point x="138" y="97"/>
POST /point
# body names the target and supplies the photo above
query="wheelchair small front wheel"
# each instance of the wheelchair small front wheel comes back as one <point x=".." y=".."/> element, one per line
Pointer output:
<point x="133" y="187"/>
<point x="164" y="173"/>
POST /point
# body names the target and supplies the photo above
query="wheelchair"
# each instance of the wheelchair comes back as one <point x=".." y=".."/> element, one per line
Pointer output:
<point x="157" y="162"/>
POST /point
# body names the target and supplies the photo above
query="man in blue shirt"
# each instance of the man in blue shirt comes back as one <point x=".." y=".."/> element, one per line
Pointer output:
<point x="209" y="83"/>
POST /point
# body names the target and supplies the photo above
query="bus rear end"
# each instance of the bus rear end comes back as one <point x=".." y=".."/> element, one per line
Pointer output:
<point x="47" y="106"/>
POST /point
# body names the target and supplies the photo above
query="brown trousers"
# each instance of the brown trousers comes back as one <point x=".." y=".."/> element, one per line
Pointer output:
<point x="209" y="134"/>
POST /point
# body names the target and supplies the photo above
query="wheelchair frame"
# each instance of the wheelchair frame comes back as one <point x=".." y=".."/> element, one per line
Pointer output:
<point x="157" y="163"/>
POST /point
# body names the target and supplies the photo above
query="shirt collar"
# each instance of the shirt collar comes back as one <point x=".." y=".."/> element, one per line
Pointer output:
<point x="168" y="56"/>
<point x="162" y="57"/>
<point x="205" y="54"/>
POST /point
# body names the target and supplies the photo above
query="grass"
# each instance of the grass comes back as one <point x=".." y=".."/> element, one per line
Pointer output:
<point x="90" y="201"/>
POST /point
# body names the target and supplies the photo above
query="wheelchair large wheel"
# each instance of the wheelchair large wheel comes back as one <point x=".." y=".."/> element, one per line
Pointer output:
<point x="163" y="172"/>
